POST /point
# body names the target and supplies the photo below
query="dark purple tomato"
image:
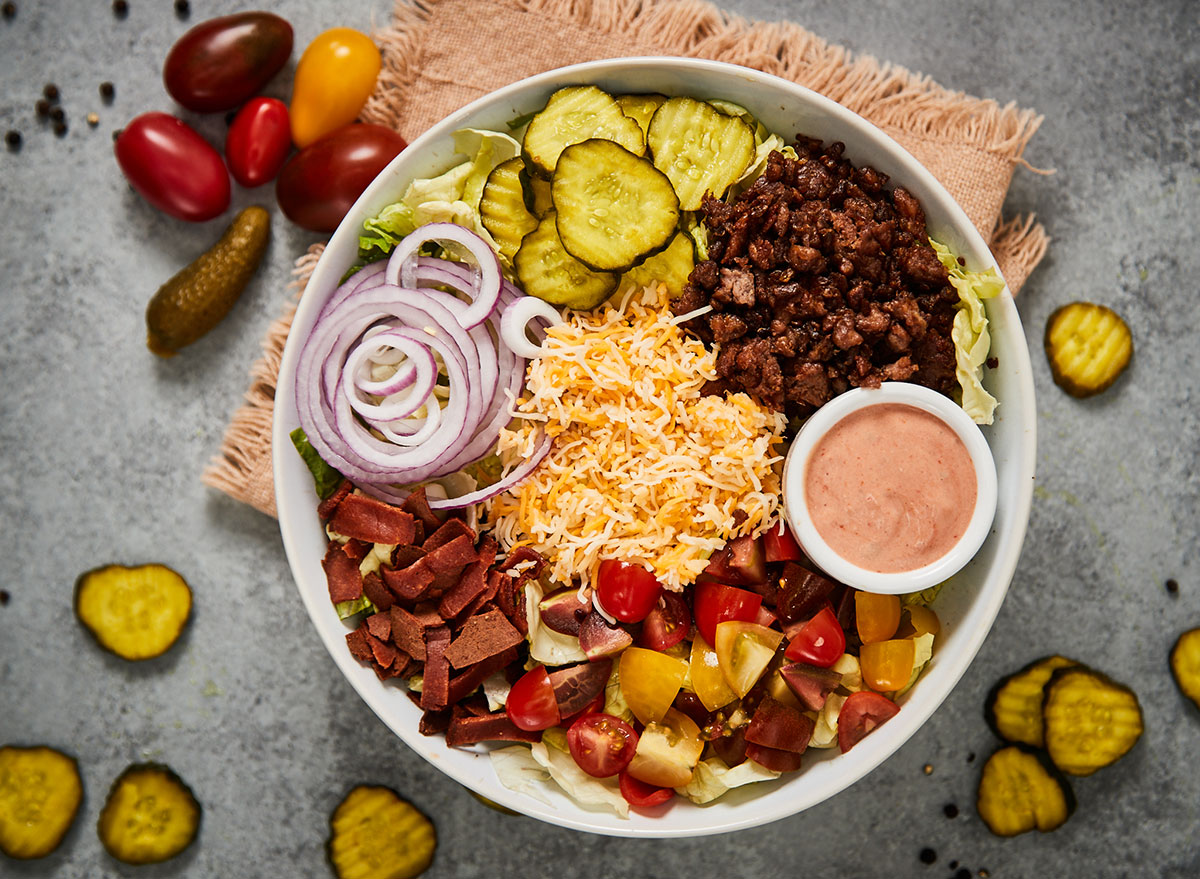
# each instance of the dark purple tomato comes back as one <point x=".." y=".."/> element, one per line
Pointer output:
<point x="173" y="167"/>
<point x="222" y="62"/>
<point x="258" y="141"/>
<point x="320" y="184"/>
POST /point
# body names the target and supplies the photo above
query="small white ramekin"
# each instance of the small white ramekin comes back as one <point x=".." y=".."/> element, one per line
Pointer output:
<point x="822" y="421"/>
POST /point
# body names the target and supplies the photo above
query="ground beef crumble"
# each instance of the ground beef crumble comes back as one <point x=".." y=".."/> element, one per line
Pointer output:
<point x="820" y="280"/>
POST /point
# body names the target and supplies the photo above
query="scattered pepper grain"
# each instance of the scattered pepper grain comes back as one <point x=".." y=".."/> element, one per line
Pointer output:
<point x="107" y="91"/>
<point x="1173" y="586"/>
<point x="983" y="874"/>
<point x="950" y="810"/>
<point x="120" y="8"/>
<point x="57" y="114"/>
<point x="971" y="757"/>
<point x="927" y="769"/>
<point x="927" y="856"/>
<point x="93" y="119"/>
<point x="963" y="873"/>
<point x="12" y="139"/>
<point x="42" y="107"/>
<point x="4" y="596"/>
<point x="60" y="128"/>
<point x="182" y="8"/>
<point x="9" y="11"/>
<point x="50" y="92"/>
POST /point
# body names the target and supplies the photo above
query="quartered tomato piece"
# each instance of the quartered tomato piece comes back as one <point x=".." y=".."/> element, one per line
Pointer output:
<point x="639" y="794"/>
<point x="707" y="678"/>
<point x="667" y="623"/>
<point x="923" y="620"/>
<point x="887" y="665"/>
<point x="877" y="616"/>
<point x="531" y="704"/>
<point x="601" y="744"/>
<point x="744" y="650"/>
<point x="667" y="751"/>
<point x="714" y="603"/>
<point x="779" y="545"/>
<point x="820" y="641"/>
<point x="627" y="591"/>
<point x="649" y="681"/>
<point x="860" y="714"/>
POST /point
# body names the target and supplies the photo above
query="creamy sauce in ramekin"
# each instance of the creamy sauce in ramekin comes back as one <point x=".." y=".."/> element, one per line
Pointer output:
<point x="890" y="488"/>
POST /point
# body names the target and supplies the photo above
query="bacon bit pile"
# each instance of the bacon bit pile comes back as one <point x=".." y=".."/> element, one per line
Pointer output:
<point x="645" y="467"/>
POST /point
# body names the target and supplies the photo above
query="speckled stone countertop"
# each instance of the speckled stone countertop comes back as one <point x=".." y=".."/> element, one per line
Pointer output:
<point x="103" y="444"/>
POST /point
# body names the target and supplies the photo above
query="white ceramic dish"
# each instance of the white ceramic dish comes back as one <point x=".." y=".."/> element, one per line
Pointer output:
<point x="809" y="537"/>
<point x="967" y="610"/>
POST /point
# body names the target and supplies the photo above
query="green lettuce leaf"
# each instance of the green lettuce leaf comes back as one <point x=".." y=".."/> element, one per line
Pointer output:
<point x="712" y="778"/>
<point x="326" y="479"/>
<point x="590" y="793"/>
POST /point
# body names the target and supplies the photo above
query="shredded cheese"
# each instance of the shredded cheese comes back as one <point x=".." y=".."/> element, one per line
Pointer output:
<point x="645" y="467"/>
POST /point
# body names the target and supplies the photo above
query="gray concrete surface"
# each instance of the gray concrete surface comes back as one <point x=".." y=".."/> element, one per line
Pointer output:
<point x="102" y="446"/>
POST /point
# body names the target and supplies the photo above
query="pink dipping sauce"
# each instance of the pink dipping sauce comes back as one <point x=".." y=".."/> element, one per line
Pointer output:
<point x="890" y="488"/>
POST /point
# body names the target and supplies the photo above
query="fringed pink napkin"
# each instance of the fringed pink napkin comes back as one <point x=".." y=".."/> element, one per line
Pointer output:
<point x="441" y="54"/>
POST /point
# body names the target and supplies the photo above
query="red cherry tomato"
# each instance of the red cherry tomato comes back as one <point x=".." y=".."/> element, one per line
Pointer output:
<point x="779" y="545"/>
<point x="173" y="167"/>
<point x="820" y="641"/>
<point x="221" y="62"/>
<point x="531" y="704"/>
<point x="601" y="744"/>
<point x="627" y="591"/>
<point x="714" y="603"/>
<point x="320" y="184"/>
<point x="861" y="713"/>
<point x="667" y="623"/>
<point x="258" y="141"/>
<point x="643" y="795"/>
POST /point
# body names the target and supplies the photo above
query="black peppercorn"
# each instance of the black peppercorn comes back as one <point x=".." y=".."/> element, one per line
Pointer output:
<point x="1173" y="586"/>
<point x="4" y="596"/>
<point x="182" y="8"/>
<point x="120" y="8"/>
<point x="9" y="11"/>
<point x="927" y="856"/>
<point x="12" y="139"/>
<point x="57" y="114"/>
<point x="116" y="135"/>
<point x="107" y="91"/>
<point x="60" y="128"/>
<point x="43" y="108"/>
<point x="50" y="91"/>
<point x="950" y="810"/>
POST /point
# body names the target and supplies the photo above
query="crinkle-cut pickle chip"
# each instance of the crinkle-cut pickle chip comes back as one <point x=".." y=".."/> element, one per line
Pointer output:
<point x="1088" y="347"/>
<point x="1185" y="664"/>
<point x="544" y="269"/>
<point x="502" y="207"/>
<point x="1020" y="790"/>
<point x="40" y="793"/>
<point x="1091" y="721"/>
<point x="699" y="148"/>
<point x="641" y="108"/>
<point x="135" y="612"/>
<point x="1014" y="707"/>
<point x="376" y="834"/>
<point x="150" y="815"/>
<point x="572" y="115"/>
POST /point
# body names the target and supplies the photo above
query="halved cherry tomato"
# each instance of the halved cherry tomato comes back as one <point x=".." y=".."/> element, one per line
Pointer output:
<point x="334" y="77"/>
<point x="887" y="665"/>
<point x="221" y="62"/>
<point x="667" y="623"/>
<point x="714" y="603"/>
<point x="173" y="167"/>
<point x="744" y="650"/>
<point x="258" y="141"/>
<point x="641" y="795"/>
<point x="649" y="681"/>
<point x="820" y="641"/>
<point x="877" y="616"/>
<point x="707" y="678"/>
<point x="779" y="545"/>
<point x="923" y="620"/>
<point x="627" y="591"/>
<point x="861" y="713"/>
<point x="601" y="744"/>
<point x="531" y="704"/>
<point x="667" y="751"/>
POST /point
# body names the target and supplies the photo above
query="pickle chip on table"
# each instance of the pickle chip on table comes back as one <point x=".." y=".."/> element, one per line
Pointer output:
<point x="1088" y="347"/>
<point x="134" y="612"/>
<point x="40" y="793"/>
<point x="1091" y="720"/>
<point x="1021" y="790"/>
<point x="1185" y="664"/>
<point x="377" y="834"/>
<point x="1014" y="706"/>
<point x="150" y="815"/>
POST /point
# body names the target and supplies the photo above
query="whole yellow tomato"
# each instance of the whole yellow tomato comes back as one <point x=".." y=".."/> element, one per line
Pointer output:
<point x="334" y="77"/>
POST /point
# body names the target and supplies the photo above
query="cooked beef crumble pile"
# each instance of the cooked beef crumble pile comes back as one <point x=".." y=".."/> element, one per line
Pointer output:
<point x="821" y="280"/>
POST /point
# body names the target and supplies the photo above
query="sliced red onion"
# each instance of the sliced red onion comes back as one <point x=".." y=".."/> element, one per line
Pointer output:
<point x="505" y="482"/>
<point x="484" y="292"/>
<point x="516" y="319"/>
<point x="419" y="385"/>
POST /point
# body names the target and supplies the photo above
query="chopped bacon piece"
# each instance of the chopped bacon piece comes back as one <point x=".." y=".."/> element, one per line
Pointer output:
<point x="397" y="669"/>
<point x="326" y="507"/>
<point x="410" y="582"/>
<point x="471" y="585"/>
<point x="510" y="598"/>
<point x="469" y="729"/>
<point x="417" y="505"/>
<point x="377" y="593"/>
<point x="408" y="632"/>
<point x="435" y="689"/>
<point x="380" y="625"/>
<point x="341" y="573"/>
<point x="372" y="520"/>
<point x="484" y="635"/>
<point x="356" y="549"/>
<point x="383" y="652"/>
<point x="434" y="722"/>
<point x="449" y="532"/>
<point x="360" y="648"/>
<point x="525" y="554"/>
<point x="463" y="684"/>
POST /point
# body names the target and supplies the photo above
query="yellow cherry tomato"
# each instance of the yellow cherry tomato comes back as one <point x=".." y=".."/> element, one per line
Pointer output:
<point x="707" y="678"/>
<point x="650" y="681"/>
<point x="923" y="620"/>
<point x="334" y="77"/>
<point x="887" y="665"/>
<point x="744" y="650"/>
<point x="877" y="616"/>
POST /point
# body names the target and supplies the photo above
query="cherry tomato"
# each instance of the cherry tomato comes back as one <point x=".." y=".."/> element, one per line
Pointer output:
<point x="320" y="184"/>
<point x="887" y="665"/>
<point x="601" y="744"/>
<point x="531" y="704"/>
<point x="641" y="795"/>
<point x="744" y="650"/>
<point x="650" y="681"/>
<point x="258" y="141"/>
<point x="221" y="62"/>
<point x="714" y="603"/>
<point x="779" y="545"/>
<point x="860" y="714"/>
<point x="667" y="623"/>
<point x="876" y="616"/>
<point x="334" y="77"/>
<point x="923" y="620"/>
<point x="627" y="591"/>
<point x="173" y="167"/>
<point x="820" y="641"/>
<point x="707" y="678"/>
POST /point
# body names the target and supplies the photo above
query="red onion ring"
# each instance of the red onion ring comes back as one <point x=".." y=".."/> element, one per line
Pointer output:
<point x="486" y="291"/>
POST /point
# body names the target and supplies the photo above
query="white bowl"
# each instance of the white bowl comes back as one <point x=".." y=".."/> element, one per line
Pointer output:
<point x="966" y="611"/>
<point x="795" y="498"/>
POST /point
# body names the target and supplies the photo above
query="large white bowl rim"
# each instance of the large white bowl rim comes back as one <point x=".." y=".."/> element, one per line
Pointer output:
<point x="966" y="609"/>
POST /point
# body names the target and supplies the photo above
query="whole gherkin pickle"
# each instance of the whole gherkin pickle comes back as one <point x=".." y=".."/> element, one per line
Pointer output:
<point x="200" y="295"/>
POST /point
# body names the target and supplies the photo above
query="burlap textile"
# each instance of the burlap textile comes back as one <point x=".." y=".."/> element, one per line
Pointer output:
<point x="442" y="54"/>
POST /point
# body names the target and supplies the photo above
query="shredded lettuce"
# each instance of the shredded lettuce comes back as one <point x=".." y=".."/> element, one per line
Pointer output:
<point x="970" y="331"/>
<point x="325" y="478"/>
<point x="590" y="793"/>
<point x="496" y="687"/>
<point x="712" y="778"/>
<point x="518" y="771"/>
<point x="924" y="653"/>
<point x="824" y="733"/>
<point x="614" y="696"/>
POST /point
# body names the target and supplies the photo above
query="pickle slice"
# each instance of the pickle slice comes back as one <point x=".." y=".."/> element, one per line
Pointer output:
<point x="40" y="793"/>
<point x="641" y="108"/>
<point x="699" y="148"/>
<point x="1014" y="707"/>
<point x="545" y="270"/>
<point x="1020" y="790"/>
<point x="572" y="115"/>
<point x="1185" y="664"/>
<point x="150" y="815"/>
<point x="537" y="194"/>
<point x="1091" y="721"/>
<point x="502" y="207"/>
<point x="375" y="834"/>
<point x="1088" y="347"/>
<point x="136" y="613"/>
<point x="613" y="208"/>
<point x="671" y="266"/>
